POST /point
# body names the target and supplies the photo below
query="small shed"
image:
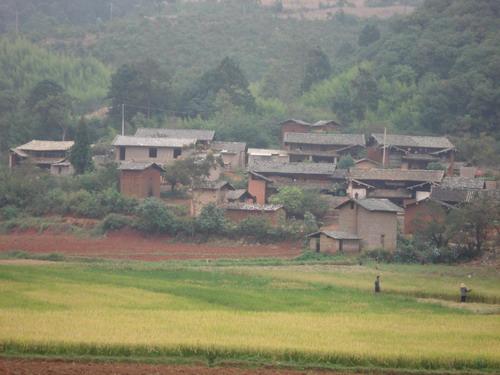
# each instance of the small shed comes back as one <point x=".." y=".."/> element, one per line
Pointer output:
<point x="140" y="179"/>
<point x="334" y="242"/>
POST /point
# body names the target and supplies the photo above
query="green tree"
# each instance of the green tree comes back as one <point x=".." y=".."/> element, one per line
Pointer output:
<point x="291" y="198"/>
<point x="317" y="68"/>
<point x="81" y="153"/>
<point x="154" y="217"/>
<point x="369" y="34"/>
<point x="189" y="171"/>
<point x="211" y="220"/>
<point x="346" y="162"/>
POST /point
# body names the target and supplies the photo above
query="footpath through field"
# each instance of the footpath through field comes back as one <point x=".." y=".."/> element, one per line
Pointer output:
<point x="134" y="246"/>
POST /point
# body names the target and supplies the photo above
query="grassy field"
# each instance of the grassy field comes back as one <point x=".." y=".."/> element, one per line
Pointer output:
<point x="303" y="315"/>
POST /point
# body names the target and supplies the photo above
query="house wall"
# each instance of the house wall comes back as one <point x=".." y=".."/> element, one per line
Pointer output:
<point x="140" y="184"/>
<point x="165" y="155"/>
<point x="332" y="245"/>
<point x="62" y="170"/>
<point x="421" y="212"/>
<point x="373" y="224"/>
<point x="258" y="189"/>
<point x="202" y="197"/>
<point x="233" y="161"/>
<point x="274" y="217"/>
<point x="347" y="221"/>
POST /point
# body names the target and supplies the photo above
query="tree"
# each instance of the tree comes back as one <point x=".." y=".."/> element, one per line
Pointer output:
<point x="154" y="217"/>
<point x="189" y="171"/>
<point x="81" y="154"/>
<point x="369" y="34"/>
<point x="211" y="219"/>
<point x="346" y="162"/>
<point x="291" y="198"/>
<point x="317" y="68"/>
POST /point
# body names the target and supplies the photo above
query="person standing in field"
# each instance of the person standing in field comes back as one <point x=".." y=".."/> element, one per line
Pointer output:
<point x="463" y="292"/>
<point x="377" y="284"/>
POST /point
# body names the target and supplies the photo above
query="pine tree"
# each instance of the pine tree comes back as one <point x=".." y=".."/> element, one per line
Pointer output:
<point x="81" y="154"/>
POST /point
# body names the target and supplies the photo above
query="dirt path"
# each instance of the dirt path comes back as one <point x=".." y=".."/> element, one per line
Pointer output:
<point x="39" y="367"/>
<point x="134" y="246"/>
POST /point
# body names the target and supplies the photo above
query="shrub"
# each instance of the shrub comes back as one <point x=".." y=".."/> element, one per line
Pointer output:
<point x="253" y="227"/>
<point x="83" y="203"/>
<point x="113" y="202"/>
<point x="9" y="212"/>
<point x="380" y="255"/>
<point x="346" y="162"/>
<point x="211" y="220"/>
<point x="115" y="222"/>
<point x="154" y="217"/>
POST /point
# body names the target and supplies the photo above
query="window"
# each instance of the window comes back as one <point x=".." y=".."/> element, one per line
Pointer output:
<point x="177" y="152"/>
<point x="153" y="152"/>
<point x="122" y="152"/>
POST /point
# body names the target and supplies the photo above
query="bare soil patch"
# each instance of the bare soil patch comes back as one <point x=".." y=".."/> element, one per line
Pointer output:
<point x="39" y="367"/>
<point x="135" y="246"/>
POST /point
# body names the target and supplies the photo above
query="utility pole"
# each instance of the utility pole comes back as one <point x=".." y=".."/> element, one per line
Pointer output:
<point x="383" y="150"/>
<point x="123" y="119"/>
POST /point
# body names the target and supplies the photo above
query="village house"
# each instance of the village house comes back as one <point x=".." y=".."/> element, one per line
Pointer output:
<point x="203" y="137"/>
<point x="419" y="213"/>
<point x="140" y="179"/>
<point x="411" y="152"/>
<point x="322" y="148"/>
<point x="267" y="178"/>
<point x="299" y="126"/>
<point x="259" y="155"/>
<point x="206" y="192"/>
<point x="397" y="185"/>
<point x="327" y="241"/>
<point x="374" y="221"/>
<point x="240" y="195"/>
<point x="48" y="155"/>
<point x="233" y="154"/>
<point x="270" y="213"/>
<point x="150" y="149"/>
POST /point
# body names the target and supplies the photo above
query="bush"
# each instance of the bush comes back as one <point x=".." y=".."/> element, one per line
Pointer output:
<point x="83" y="203"/>
<point x="9" y="212"/>
<point x="211" y="220"/>
<point x="253" y="227"/>
<point x="380" y="255"/>
<point x="115" y="222"/>
<point x="154" y="217"/>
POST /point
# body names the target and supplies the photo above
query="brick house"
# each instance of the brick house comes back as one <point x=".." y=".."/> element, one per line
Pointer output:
<point x="299" y="126"/>
<point x="259" y="186"/>
<point x="203" y="137"/>
<point x="237" y="212"/>
<point x="140" y="180"/>
<point x="397" y="185"/>
<point x="411" y="152"/>
<point x="322" y="148"/>
<point x="421" y="212"/>
<point x="48" y="155"/>
<point x="209" y="192"/>
<point x="154" y="150"/>
<point x="374" y="221"/>
<point x="328" y="241"/>
<point x="233" y="154"/>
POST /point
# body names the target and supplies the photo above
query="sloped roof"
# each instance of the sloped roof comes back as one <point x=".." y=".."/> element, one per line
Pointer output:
<point x="198" y="134"/>
<point x="325" y="139"/>
<point x="397" y="175"/>
<point x="367" y="160"/>
<point x="213" y="185"/>
<point x="413" y="141"/>
<point x="37" y="145"/>
<point x="336" y="235"/>
<point x="294" y="168"/>
<point x="252" y="206"/>
<point x="374" y="204"/>
<point x="237" y="194"/>
<point x="124" y="140"/>
<point x="462" y="183"/>
<point x="137" y="166"/>
<point x="316" y="124"/>
<point x="266" y="152"/>
<point x="230" y="147"/>
<point x="443" y="194"/>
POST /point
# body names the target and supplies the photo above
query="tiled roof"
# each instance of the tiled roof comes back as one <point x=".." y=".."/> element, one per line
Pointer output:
<point x="397" y="175"/>
<point x="230" y="147"/>
<point x="294" y="168"/>
<point x="316" y="124"/>
<point x="384" y="205"/>
<point x="336" y="235"/>
<point x="199" y="134"/>
<point x="413" y="141"/>
<point x="237" y="194"/>
<point x="447" y="195"/>
<point x="137" y="166"/>
<point x="325" y="139"/>
<point x="123" y="140"/>
<point x="213" y="185"/>
<point x="252" y="206"/>
<point x="36" y="145"/>
<point x="462" y="183"/>
<point x="266" y="152"/>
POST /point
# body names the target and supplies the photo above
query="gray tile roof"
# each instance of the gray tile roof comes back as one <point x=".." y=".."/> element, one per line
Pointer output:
<point x="294" y="168"/>
<point x="325" y="139"/>
<point x="213" y="185"/>
<point x="462" y="183"/>
<point x="198" y="134"/>
<point x="316" y="124"/>
<point x="453" y="196"/>
<point x="413" y="141"/>
<point x="137" y="166"/>
<point x="336" y="235"/>
<point x="37" y="145"/>
<point x="252" y="206"/>
<point x="372" y="204"/>
<point x="124" y="140"/>
<point x="397" y="175"/>
<point x="230" y="147"/>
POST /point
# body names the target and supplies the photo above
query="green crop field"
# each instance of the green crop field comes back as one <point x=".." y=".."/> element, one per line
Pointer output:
<point x="296" y="315"/>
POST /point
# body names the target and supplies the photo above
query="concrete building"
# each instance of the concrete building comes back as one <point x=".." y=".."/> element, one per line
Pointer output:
<point x="140" y="180"/>
<point x="43" y="154"/>
<point x="154" y="150"/>
<point x="322" y="148"/>
<point x="327" y="241"/>
<point x="374" y="221"/>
